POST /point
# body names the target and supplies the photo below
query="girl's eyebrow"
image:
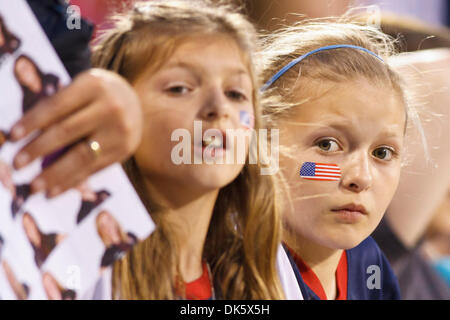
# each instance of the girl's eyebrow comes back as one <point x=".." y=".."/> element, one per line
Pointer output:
<point x="180" y="64"/>
<point x="235" y="70"/>
<point x="189" y="67"/>
<point x="183" y="65"/>
<point x="336" y="122"/>
<point x="345" y="126"/>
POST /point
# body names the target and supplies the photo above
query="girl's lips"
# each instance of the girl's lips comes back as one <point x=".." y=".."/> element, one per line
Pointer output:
<point x="214" y="152"/>
<point x="350" y="213"/>
<point x="203" y="143"/>
<point x="348" y="217"/>
<point x="352" y="208"/>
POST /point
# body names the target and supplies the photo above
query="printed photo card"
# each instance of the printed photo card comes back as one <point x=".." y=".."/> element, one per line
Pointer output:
<point x="58" y="248"/>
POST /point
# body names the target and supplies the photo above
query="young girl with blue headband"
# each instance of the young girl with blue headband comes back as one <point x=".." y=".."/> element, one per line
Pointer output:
<point x="342" y="112"/>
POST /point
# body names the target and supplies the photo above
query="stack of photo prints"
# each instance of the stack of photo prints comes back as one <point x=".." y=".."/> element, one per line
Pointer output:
<point x="58" y="248"/>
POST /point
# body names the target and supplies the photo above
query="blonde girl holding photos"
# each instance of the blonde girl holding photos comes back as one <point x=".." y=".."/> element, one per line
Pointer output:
<point x="218" y="230"/>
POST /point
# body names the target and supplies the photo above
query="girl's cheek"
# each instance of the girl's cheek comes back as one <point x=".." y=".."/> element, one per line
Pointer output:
<point x="389" y="175"/>
<point x="246" y="119"/>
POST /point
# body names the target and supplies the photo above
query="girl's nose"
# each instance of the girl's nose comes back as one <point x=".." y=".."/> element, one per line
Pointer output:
<point x="215" y="105"/>
<point x="357" y="175"/>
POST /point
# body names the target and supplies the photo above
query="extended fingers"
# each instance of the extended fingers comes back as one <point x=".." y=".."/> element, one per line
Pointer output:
<point x="60" y="135"/>
<point x="49" y="110"/>
<point x="56" y="180"/>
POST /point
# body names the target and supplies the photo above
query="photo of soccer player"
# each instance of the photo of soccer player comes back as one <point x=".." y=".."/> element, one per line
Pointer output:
<point x="42" y="243"/>
<point x="89" y="200"/>
<point x="3" y="138"/>
<point x="116" y="241"/>
<point x="54" y="290"/>
<point x="9" y="43"/>
<point x="6" y="178"/>
<point x="34" y="83"/>
<point x="21" y="290"/>
<point x="20" y="195"/>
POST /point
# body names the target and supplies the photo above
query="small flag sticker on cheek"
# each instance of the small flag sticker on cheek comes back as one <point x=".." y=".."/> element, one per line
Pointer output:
<point x="246" y="119"/>
<point x="320" y="171"/>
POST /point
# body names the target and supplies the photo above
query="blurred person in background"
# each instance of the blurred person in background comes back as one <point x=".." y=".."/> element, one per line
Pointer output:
<point x="436" y="244"/>
<point x="268" y="14"/>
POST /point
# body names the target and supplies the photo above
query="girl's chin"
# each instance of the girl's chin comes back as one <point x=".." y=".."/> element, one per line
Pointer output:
<point x="345" y="241"/>
<point x="212" y="176"/>
<point x="336" y="238"/>
<point x="346" y="244"/>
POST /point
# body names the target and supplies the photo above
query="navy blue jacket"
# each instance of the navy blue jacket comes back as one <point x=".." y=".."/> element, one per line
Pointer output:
<point x="72" y="46"/>
<point x="359" y="260"/>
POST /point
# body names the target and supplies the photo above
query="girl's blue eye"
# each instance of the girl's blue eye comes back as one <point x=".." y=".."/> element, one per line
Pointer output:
<point x="328" y="145"/>
<point x="235" y="95"/>
<point x="383" y="153"/>
<point x="178" y="90"/>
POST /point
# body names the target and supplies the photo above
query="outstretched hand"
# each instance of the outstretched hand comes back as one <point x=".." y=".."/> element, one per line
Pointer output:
<point x="98" y="106"/>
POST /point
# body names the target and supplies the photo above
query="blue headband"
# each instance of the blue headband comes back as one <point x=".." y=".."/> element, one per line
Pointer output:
<point x="294" y="62"/>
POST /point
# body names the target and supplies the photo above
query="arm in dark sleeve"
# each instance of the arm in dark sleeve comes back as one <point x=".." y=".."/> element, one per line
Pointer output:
<point x="72" y="46"/>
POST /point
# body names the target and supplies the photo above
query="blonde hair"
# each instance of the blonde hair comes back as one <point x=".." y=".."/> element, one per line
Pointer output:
<point x="244" y="233"/>
<point x="337" y="65"/>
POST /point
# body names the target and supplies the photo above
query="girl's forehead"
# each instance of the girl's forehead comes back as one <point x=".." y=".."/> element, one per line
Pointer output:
<point x="209" y="51"/>
<point x="204" y="57"/>
<point x="353" y="103"/>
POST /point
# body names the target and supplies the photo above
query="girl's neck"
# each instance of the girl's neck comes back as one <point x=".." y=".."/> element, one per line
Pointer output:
<point x="322" y="260"/>
<point x="190" y="220"/>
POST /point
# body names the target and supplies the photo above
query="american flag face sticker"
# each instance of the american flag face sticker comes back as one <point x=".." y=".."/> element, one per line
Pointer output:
<point x="320" y="171"/>
<point x="246" y="119"/>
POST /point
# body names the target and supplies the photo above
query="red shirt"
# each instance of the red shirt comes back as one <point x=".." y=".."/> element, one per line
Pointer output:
<point x="201" y="288"/>
<point x="313" y="282"/>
